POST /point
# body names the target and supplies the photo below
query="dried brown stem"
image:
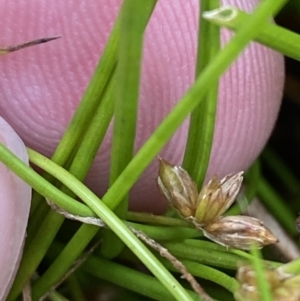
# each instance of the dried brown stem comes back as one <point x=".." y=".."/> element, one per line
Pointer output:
<point x="26" y="294"/>
<point x="13" y="48"/>
<point x="74" y="267"/>
<point x="175" y="262"/>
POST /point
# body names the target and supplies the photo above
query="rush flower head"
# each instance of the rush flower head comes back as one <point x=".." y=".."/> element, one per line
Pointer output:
<point x="216" y="197"/>
<point x="181" y="192"/>
<point x="178" y="188"/>
<point x="281" y="289"/>
<point x="205" y="209"/>
<point x="239" y="232"/>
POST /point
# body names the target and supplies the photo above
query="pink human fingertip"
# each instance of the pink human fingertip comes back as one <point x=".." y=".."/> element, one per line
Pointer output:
<point x="14" y="210"/>
<point x="43" y="85"/>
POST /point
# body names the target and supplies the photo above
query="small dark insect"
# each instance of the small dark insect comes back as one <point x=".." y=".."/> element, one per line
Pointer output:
<point x="8" y="49"/>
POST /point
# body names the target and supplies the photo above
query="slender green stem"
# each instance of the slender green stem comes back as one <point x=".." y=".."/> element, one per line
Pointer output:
<point x="204" y="256"/>
<point x="74" y="133"/>
<point x="134" y="19"/>
<point x="242" y="256"/>
<point x="271" y="35"/>
<point x="130" y="279"/>
<point x="100" y="209"/>
<point x="81" y="119"/>
<point x="207" y="245"/>
<point x="64" y="261"/>
<point x="207" y="273"/>
<point x="89" y="146"/>
<point x="114" y="223"/>
<point x="157" y="219"/>
<point x="29" y="263"/>
<point x="85" y="154"/>
<point x="35" y="221"/>
<point x="89" y="102"/>
<point x="75" y="289"/>
<point x="166" y="233"/>
<point x="203" y="51"/>
<point x="38" y="183"/>
<point x="81" y="239"/>
<point x="188" y="103"/>
<point x="94" y="135"/>
<point x="202" y="122"/>
<point x="262" y="282"/>
<point x="79" y="167"/>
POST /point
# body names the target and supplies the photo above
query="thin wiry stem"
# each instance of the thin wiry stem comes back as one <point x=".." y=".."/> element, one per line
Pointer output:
<point x="175" y="262"/>
<point x="9" y="49"/>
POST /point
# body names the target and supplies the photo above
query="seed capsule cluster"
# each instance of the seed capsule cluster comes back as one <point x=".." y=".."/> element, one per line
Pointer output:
<point x="205" y="208"/>
<point x="282" y="289"/>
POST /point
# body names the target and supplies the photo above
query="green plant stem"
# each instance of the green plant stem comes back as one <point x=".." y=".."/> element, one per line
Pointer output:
<point x="130" y="279"/>
<point x="242" y="256"/>
<point x="70" y="140"/>
<point x="82" y="159"/>
<point x="81" y="239"/>
<point x="262" y="282"/>
<point x="94" y="135"/>
<point x="86" y="152"/>
<point x="157" y="219"/>
<point x="65" y="260"/>
<point x="35" y="223"/>
<point x="204" y="256"/>
<point x="74" y="133"/>
<point x="271" y="35"/>
<point x="188" y="103"/>
<point x="38" y="183"/>
<point x="206" y="272"/>
<point x="100" y="209"/>
<point x="79" y="167"/>
<point x="75" y="289"/>
<point x="276" y="206"/>
<point x="113" y="222"/>
<point x="202" y="121"/>
<point x="166" y="233"/>
<point x="134" y="19"/>
<point x="206" y="245"/>
<point x="90" y="100"/>
<point x="29" y="262"/>
<point x="88" y="104"/>
<point x="32" y="261"/>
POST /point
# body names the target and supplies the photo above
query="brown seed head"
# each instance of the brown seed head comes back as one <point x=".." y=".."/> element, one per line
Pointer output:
<point x="178" y="188"/>
<point x="239" y="232"/>
<point x="289" y="290"/>
<point x="281" y="290"/>
<point x="248" y="289"/>
<point x="216" y="197"/>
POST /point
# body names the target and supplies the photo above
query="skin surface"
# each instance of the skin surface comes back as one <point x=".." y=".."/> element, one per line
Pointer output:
<point x="14" y="209"/>
<point x="41" y="87"/>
